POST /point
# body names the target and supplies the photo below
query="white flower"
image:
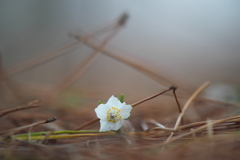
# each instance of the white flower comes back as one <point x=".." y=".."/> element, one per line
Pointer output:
<point x="112" y="114"/>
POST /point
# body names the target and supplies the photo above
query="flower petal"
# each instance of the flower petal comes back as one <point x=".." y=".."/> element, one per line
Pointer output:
<point x="104" y="126"/>
<point x="108" y="126"/>
<point x="125" y="110"/>
<point x="113" y="102"/>
<point x="101" y="111"/>
<point x="116" y="126"/>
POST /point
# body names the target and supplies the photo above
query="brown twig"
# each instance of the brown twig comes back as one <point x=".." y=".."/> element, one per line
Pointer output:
<point x="201" y="128"/>
<point x="221" y="125"/>
<point x="175" y="96"/>
<point x="191" y="129"/>
<point x="42" y="59"/>
<point x="60" y="51"/>
<point x="29" y="105"/>
<point x="128" y="60"/>
<point x="200" y="99"/>
<point x="52" y="119"/>
<point x="203" y="86"/>
<point x="121" y="21"/>
<point x="80" y="70"/>
<point x="189" y="101"/>
<point x="87" y="124"/>
<point x="149" y="98"/>
<point x="178" y="104"/>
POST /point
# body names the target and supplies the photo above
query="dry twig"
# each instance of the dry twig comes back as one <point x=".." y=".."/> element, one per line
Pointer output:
<point x="203" y="86"/>
<point x="52" y="119"/>
<point x="29" y="105"/>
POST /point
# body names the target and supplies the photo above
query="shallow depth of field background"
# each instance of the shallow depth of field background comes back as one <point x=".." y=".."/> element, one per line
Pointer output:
<point x="189" y="42"/>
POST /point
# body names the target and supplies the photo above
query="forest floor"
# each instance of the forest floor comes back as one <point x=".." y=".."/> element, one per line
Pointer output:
<point x="208" y="130"/>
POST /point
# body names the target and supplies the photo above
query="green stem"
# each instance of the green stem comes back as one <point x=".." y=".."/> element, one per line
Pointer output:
<point x="63" y="136"/>
<point x="55" y="134"/>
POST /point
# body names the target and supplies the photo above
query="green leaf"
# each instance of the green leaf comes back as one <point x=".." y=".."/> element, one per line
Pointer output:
<point x="121" y="98"/>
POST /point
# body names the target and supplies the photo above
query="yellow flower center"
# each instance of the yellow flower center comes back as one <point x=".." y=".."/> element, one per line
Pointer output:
<point x="113" y="115"/>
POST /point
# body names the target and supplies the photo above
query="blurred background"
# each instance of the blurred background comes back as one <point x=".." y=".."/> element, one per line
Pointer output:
<point x="186" y="42"/>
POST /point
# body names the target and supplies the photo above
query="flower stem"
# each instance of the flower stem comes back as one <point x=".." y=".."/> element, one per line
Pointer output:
<point x="61" y="134"/>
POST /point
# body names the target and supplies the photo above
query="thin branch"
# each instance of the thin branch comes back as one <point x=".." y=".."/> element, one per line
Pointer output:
<point x="52" y="119"/>
<point x="151" y="97"/>
<point x="178" y="104"/>
<point x="184" y="95"/>
<point x="80" y="70"/>
<point x="128" y="60"/>
<point x="202" y="127"/>
<point x="29" y="105"/>
<point x="120" y="22"/>
<point x="189" y="101"/>
<point x="175" y="96"/>
<point x="42" y="59"/>
<point x="87" y="124"/>
<point x="203" y="86"/>
<point x="60" y="51"/>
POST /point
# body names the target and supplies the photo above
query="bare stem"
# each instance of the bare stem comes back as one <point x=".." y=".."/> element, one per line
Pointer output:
<point x="29" y="105"/>
<point x="175" y="96"/>
<point x="87" y="124"/>
<point x="80" y="70"/>
<point x="149" y="98"/>
<point x="203" y="86"/>
<point x="29" y="126"/>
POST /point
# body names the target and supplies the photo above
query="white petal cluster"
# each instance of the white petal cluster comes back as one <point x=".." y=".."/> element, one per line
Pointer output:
<point x="112" y="114"/>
